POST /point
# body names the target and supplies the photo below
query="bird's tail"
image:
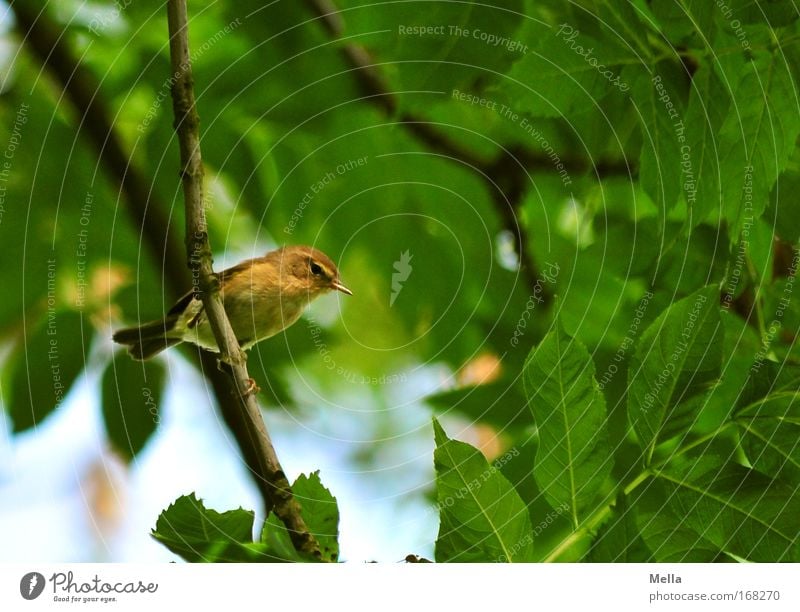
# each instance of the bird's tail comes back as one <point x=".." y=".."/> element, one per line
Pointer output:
<point x="148" y="340"/>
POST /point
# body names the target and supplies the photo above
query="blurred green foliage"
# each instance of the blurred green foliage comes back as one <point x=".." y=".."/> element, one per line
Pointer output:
<point x="642" y="152"/>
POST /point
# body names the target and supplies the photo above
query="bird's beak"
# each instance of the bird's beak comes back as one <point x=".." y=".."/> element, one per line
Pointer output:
<point x="340" y="287"/>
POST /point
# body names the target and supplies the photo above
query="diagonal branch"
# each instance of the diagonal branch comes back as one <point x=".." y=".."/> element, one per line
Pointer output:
<point x="187" y="125"/>
<point x="46" y="40"/>
<point x="507" y="175"/>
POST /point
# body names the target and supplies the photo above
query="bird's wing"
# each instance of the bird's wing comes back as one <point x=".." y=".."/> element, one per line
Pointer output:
<point x="242" y="266"/>
<point x="181" y="304"/>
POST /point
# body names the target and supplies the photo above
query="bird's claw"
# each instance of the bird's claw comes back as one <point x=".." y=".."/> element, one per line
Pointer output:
<point x="251" y="388"/>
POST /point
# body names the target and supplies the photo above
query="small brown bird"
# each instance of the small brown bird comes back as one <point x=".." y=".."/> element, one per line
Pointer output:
<point x="262" y="297"/>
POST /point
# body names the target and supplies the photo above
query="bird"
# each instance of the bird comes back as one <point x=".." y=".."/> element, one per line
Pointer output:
<point x="262" y="297"/>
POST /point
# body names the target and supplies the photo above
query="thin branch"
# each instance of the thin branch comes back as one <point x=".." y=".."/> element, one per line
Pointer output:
<point x="187" y="125"/>
<point x="47" y="41"/>
<point x="145" y="209"/>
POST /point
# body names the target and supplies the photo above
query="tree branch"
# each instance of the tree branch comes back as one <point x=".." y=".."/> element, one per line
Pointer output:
<point x="507" y="175"/>
<point x="46" y="40"/>
<point x="206" y="287"/>
<point x="145" y="209"/>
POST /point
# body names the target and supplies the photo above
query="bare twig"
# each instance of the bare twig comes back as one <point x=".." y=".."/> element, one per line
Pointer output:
<point x="187" y="125"/>
<point x="144" y="207"/>
<point x="46" y="40"/>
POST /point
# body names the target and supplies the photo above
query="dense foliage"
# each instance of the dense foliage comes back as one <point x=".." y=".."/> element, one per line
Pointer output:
<point x="596" y="197"/>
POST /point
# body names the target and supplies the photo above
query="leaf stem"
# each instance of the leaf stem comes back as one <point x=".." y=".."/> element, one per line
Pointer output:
<point x="701" y="440"/>
<point x="595" y="519"/>
<point x="626" y="489"/>
<point x="754" y="278"/>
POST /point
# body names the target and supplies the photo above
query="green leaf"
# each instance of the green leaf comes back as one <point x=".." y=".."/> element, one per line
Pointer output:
<point x="770" y="433"/>
<point x="619" y="540"/>
<point x="693" y="258"/>
<point x="740" y="343"/>
<point x="685" y="19"/>
<point x="708" y="103"/>
<point x="739" y="511"/>
<point x="131" y="395"/>
<point x="764" y="379"/>
<point x="781" y="211"/>
<point x="774" y="12"/>
<point x="482" y="518"/>
<point x="442" y="47"/>
<point x="500" y="404"/>
<point x="615" y="20"/>
<point x="760" y="252"/>
<point x="678" y="357"/>
<point x="659" y="103"/>
<point x="321" y="514"/>
<point x="198" y="534"/>
<point x="47" y="365"/>
<point x="566" y="71"/>
<point x="757" y="137"/>
<point x="667" y="535"/>
<point x="671" y="542"/>
<point x="573" y="459"/>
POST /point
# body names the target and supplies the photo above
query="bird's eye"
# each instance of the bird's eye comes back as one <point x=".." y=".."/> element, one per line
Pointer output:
<point x="316" y="270"/>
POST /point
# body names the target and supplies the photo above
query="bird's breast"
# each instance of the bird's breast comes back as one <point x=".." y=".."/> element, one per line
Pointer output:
<point x="262" y="315"/>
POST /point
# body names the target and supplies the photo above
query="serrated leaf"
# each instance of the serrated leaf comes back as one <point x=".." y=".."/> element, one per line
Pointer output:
<point x="774" y="12"/>
<point x="198" y="534"/>
<point x="781" y="211"/>
<point x="617" y="19"/>
<point x="321" y="514"/>
<point x="740" y="343"/>
<point x="619" y="540"/>
<point x="660" y="159"/>
<point x="757" y="137"/>
<point x="440" y="48"/>
<point x="482" y="517"/>
<point x="685" y="19"/>
<point x="565" y="71"/>
<point x="671" y="542"/>
<point x="131" y="396"/>
<point x="573" y="459"/>
<point x="678" y="356"/>
<point x="46" y="367"/>
<point x="667" y="536"/>
<point x="708" y="103"/>
<point x="740" y="511"/>
<point x="770" y="431"/>
<point x="767" y="381"/>
<point x="694" y="258"/>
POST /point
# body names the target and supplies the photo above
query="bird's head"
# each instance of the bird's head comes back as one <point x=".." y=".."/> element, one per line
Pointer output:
<point x="309" y="270"/>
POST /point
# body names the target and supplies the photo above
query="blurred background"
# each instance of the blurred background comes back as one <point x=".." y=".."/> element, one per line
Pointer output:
<point x="458" y="182"/>
<point x="92" y="228"/>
